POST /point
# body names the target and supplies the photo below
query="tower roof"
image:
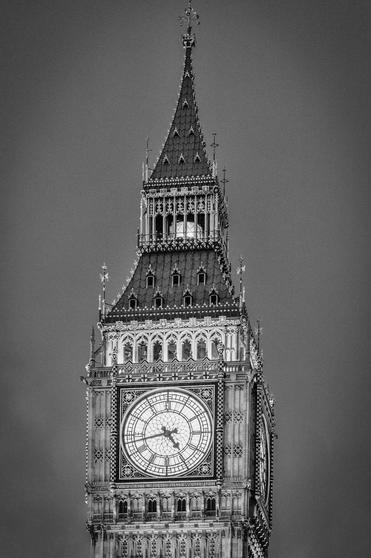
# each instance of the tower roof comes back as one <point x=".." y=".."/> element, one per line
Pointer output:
<point x="187" y="264"/>
<point x="184" y="153"/>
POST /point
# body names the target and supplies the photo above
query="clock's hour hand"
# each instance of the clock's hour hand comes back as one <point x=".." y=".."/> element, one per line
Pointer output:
<point x="169" y="434"/>
<point x="175" y="444"/>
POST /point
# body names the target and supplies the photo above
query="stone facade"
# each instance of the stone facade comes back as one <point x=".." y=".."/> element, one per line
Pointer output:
<point x="190" y="334"/>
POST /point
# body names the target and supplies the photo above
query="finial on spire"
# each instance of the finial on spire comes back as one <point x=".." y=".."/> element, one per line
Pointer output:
<point x="104" y="277"/>
<point x="92" y="347"/>
<point x="214" y="145"/>
<point x="146" y="165"/>
<point x="224" y="181"/>
<point x="189" y="39"/>
<point x="240" y="270"/>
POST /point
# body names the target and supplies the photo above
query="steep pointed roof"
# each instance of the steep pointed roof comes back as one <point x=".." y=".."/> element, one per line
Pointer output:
<point x="184" y="153"/>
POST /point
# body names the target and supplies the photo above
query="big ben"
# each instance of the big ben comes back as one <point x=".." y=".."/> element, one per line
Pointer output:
<point x="180" y="422"/>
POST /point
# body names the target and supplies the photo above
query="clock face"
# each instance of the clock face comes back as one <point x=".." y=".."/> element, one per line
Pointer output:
<point x="166" y="432"/>
<point x="264" y="460"/>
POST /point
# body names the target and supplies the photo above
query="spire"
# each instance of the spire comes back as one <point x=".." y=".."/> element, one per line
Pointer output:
<point x="184" y="153"/>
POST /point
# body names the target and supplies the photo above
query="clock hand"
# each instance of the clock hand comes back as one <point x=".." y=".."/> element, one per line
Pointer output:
<point x="175" y="444"/>
<point x="148" y="437"/>
<point x="169" y="434"/>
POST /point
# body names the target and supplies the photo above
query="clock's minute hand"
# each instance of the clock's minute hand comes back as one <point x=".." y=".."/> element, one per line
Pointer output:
<point x="148" y="437"/>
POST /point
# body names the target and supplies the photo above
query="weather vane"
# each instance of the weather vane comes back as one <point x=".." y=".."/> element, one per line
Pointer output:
<point x="190" y="15"/>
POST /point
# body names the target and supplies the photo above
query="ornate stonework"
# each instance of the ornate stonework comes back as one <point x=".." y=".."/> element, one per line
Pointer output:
<point x="180" y="423"/>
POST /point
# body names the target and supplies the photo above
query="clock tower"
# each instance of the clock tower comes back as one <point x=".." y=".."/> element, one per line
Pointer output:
<point x="180" y="422"/>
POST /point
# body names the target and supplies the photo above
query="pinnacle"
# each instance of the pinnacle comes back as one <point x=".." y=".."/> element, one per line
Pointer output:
<point x="184" y="153"/>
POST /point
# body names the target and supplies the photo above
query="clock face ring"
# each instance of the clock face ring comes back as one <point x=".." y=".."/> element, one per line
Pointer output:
<point x="264" y="472"/>
<point x="166" y="432"/>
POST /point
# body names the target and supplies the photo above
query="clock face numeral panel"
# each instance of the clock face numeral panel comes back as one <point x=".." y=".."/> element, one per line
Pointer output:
<point x="166" y="432"/>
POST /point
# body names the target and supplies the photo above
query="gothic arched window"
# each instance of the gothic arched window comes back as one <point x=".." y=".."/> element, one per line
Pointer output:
<point x="133" y="302"/>
<point x="142" y="351"/>
<point x="150" y="280"/>
<point x="214" y="349"/>
<point x="213" y="297"/>
<point x="186" y="349"/>
<point x="201" y="349"/>
<point x="128" y="352"/>
<point x="159" y="225"/>
<point x="157" y="350"/>
<point x="176" y="279"/>
<point x="187" y="298"/>
<point x="201" y="276"/>
<point x="171" y="350"/>
<point x="158" y="300"/>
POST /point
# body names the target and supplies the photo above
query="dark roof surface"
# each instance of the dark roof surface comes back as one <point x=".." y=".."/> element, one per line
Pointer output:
<point x="187" y="263"/>
<point x="184" y="151"/>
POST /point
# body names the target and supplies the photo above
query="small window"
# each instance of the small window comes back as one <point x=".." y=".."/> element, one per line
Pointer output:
<point x="165" y="160"/>
<point x="181" y="505"/>
<point x="123" y="507"/>
<point x="185" y="104"/>
<point x="187" y="299"/>
<point x="197" y="158"/>
<point x="150" y="280"/>
<point x="181" y="159"/>
<point x="133" y="302"/>
<point x="210" y="506"/>
<point x="152" y="506"/>
<point x="158" y="301"/>
<point x="191" y="131"/>
<point x="176" y="279"/>
<point x="201" y="277"/>
<point x="214" y="298"/>
<point x="176" y="133"/>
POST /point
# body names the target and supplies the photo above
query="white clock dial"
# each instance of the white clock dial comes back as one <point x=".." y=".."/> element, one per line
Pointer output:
<point x="166" y="432"/>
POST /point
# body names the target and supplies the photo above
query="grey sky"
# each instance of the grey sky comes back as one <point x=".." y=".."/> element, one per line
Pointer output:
<point x="286" y="85"/>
